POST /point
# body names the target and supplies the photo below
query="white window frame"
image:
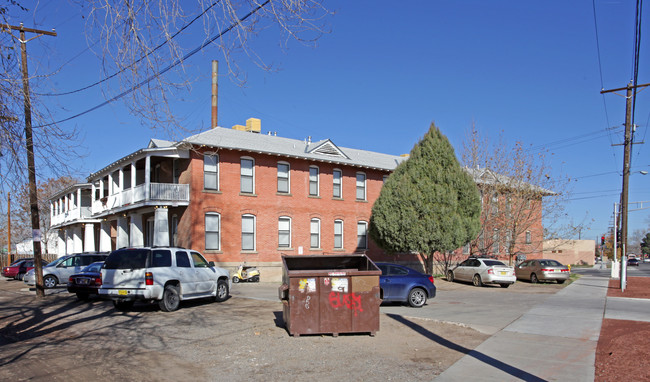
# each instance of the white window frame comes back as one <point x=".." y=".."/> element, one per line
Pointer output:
<point x="287" y="177"/>
<point x="338" y="183"/>
<point x="361" y="186"/>
<point x="280" y="220"/>
<point x="496" y="247"/>
<point x="339" y="221"/>
<point x="314" y="233"/>
<point x="248" y="216"/>
<point x="206" y="173"/>
<point x="218" y="230"/>
<point x="363" y="224"/>
<point x="243" y="176"/>
<point x="314" y="180"/>
<point x="529" y="237"/>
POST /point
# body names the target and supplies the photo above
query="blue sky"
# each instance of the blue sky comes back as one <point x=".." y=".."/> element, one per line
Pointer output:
<point x="388" y="69"/>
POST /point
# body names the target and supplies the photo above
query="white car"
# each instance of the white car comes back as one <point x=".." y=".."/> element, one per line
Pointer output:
<point x="166" y="275"/>
<point x="481" y="271"/>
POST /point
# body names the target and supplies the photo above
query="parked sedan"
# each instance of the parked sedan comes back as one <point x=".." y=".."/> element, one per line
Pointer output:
<point x="633" y="262"/>
<point x="19" y="268"/>
<point x="403" y="284"/>
<point x="86" y="282"/>
<point x="542" y="269"/>
<point x="481" y="271"/>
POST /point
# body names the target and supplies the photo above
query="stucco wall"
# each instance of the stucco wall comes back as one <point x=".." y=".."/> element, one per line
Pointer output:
<point x="570" y="251"/>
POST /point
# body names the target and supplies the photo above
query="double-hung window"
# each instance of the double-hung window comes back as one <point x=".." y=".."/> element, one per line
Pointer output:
<point x="284" y="232"/>
<point x="362" y="235"/>
<point x="248" y="232"/>
<point x="283" y="178"/>
<point x="337" y="176"/>
<point x="314" y="233"/>
<point x="247" y="175"/>
<point x="212" y="231"/>
<point x="313" y="181"/>
<point x="361" y="186"/>
<point x="211" y="171"/>
<point x="338" y="234"/>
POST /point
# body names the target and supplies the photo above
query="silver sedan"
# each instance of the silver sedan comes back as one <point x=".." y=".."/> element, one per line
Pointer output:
<point x="542" y="269"/>
<point x="483" y="271"/>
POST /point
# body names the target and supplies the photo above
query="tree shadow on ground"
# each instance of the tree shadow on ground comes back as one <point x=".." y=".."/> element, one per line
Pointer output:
<point x="516" y="372"/>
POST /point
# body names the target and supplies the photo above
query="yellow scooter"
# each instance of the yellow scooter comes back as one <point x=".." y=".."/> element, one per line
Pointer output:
<point x="246" y="273"/>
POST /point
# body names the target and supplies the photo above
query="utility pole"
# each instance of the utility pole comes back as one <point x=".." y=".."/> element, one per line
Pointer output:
<point x="31" y="167"/>
<point x="9" y="227"/>
<point x="627" y="144"/>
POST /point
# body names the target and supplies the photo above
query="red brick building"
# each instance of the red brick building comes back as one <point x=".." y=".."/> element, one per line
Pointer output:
<point x="236" y="196"/>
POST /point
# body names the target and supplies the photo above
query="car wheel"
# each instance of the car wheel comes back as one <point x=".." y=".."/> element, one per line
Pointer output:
<point x="504" y="285"/>
<point x="123" y="305"/>
<point x="417" y="297"/>
<point x="533" y="278"/>
<point x="82" y="296"/>
<point x="561" y="281"/>
<point x="235" y="279"/>
<point x="49" y="281"/>
<point x="20" y="276"/>
<point x="171" y="299"/>
<point x="450" y="276"/>
<point x="476" y="280"/>
<point x="222" y="291"/>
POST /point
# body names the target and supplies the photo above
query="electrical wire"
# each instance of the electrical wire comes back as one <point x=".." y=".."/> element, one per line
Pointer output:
<point x="163" y="71"/>
<point x="132" y="64"/>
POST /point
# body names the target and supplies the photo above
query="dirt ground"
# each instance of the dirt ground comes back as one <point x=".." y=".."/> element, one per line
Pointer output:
<point x="61" y="339"/>
<point x="623" y="351"/>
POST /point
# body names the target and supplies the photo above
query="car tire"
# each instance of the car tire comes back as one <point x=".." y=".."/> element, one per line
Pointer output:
<point x="476" y="280"/>
<point x="123" y="305"/>
<point x="504" y="285"/>
<point x="20" y="276"/>
<point x="561" y="281"/>
<point x="82" y="296"/>
<point x="533" y="278"/>
<point x="417" y="297"/>
<point x="171" y="299"/>
<point x="235" y="279"/>
<point x="50" y="281"/>
<point x="450" y="276"/>
<point x="222" y="291"/>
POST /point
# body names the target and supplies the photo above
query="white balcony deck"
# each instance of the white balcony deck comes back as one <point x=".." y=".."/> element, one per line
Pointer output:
<point x="158" y="192"/>
<point x="71" y="215"/>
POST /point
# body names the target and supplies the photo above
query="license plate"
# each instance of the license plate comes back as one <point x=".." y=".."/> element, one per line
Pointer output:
<point x="82" y="281"/>
<point x="504" y="273"/>
<point x="122" y="292"/>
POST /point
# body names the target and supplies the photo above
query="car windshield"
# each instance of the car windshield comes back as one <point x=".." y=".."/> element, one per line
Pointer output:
<point x="490" y="263"/>
<point x="127" y="259"/>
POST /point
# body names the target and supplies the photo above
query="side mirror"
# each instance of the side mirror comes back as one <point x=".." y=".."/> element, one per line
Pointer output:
<point x="211" y="263"/>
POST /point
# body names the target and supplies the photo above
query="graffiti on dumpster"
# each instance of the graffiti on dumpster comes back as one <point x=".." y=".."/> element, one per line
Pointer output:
<point x="351" y="301"/>
<point x="307" y="285"/>
<point x="307" y="302"/>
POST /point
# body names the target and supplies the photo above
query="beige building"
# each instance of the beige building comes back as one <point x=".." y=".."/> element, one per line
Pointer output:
<point x="580" y="252"/>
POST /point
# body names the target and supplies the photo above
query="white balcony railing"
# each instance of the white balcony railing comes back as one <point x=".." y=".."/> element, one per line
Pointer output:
<point x="163" y="192"/>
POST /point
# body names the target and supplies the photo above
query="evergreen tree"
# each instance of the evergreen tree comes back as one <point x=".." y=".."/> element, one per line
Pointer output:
<point x="645" y="244"/>
<point x="429" y="204"/>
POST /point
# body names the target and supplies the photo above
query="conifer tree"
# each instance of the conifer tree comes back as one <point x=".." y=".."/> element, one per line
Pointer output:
<point x="429" y="204"/>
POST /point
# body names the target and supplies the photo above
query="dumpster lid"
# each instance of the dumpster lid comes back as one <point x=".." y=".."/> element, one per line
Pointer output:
<point x="332" y="265"/>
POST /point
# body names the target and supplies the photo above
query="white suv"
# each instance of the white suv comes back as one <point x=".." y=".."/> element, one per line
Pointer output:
<point x="166" y="275"/>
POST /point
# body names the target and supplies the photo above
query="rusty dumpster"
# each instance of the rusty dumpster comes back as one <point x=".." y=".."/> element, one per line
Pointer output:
<point x="330" y="294"/>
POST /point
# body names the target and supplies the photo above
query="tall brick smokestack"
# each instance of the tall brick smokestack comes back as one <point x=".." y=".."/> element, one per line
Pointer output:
<point x="215" y="92"/>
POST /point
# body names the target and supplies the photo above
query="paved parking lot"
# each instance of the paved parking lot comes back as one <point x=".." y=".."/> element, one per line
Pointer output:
<point x="60" y="338"/>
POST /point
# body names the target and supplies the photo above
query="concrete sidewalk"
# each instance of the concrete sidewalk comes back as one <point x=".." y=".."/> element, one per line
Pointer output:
<point x="554" y="341"/>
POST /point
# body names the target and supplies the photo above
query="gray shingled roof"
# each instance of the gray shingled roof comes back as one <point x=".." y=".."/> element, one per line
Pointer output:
<point x="324" y="150"/>
<point x="487" y="176"/>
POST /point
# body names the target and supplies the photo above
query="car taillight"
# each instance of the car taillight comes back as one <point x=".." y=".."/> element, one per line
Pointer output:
<point x="148" y="278"/>
<point x="565" y="270"/>
<point x="490" y="271"/>
<point x="431" y="279"/>
<point x="547" y="270"/>
<point x="71" y="280"/>
<point x="98" y="281"/>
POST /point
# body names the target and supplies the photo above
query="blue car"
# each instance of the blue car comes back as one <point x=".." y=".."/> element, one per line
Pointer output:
<point x="403" y="284"/>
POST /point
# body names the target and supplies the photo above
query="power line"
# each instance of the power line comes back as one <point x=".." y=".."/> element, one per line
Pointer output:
<point x="132" y="64"/>
<point x="163" y="71"/>
<point x="579" y="138"/>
